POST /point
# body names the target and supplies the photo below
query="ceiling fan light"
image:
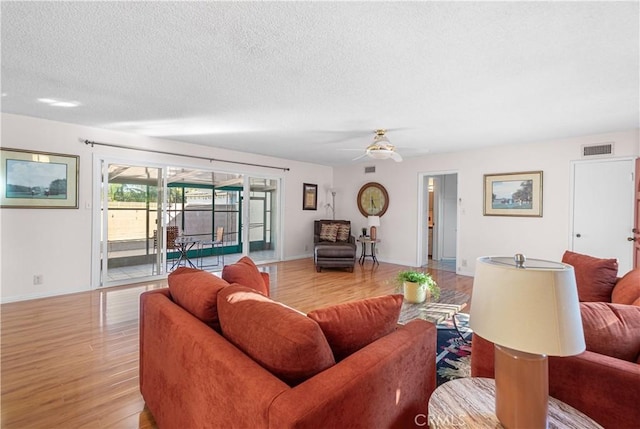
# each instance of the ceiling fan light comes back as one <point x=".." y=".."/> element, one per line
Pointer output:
<point x="379" y="153"/>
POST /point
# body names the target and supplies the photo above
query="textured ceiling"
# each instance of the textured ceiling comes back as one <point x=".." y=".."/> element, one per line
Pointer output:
<point x="311" y="80"/>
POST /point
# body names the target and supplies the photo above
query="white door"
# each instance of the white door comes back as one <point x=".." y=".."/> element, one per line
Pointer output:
<point x="603" y="210"/>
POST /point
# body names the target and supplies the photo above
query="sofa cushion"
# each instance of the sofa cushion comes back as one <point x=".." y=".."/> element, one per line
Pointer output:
<point x="284" y="341"/>
<point x="353" y="325"/>
<point x="329" y="232"/>
<point x="612" y="329"/>
<point x="245" y="272"/>
<point x="595" y="277"/>
<point x="627" y="289"/>
<point x="197" y="292"/>
<point x="336" y="250"/>
<point x="344" y="231"/>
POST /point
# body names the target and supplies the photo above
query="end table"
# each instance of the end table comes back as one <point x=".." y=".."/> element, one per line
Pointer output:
<point x="372" y="245"/>
<point x="470" y="402"/>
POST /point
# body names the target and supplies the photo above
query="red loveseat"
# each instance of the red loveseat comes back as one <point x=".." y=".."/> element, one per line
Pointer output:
<point x="604" y="381"/>
<point x="217" y="355"/>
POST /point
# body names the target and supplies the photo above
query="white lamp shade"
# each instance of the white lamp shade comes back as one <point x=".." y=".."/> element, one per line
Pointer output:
<point x="533" y="309"/>
<point x="373" y="221"/>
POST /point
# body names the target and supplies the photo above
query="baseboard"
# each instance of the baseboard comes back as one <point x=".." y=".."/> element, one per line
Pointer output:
<point x="295" y="257"/>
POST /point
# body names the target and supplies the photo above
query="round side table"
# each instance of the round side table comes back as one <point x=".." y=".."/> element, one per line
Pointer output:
<point x="372" y="244"/>
<point x="470" y="402"/>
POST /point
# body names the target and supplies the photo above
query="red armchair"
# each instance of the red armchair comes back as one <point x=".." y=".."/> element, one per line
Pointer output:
<point x="604" y="381"/>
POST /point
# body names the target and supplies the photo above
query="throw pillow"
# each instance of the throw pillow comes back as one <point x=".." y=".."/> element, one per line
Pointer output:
<point x="353" y="325"/>
<point x="197" y="292"/>
<point x="627" y="289"/>
<point x="595" y="277"/>
<point x="328" y="232"/>
<point x="612" y="329"/>
<point x="245" y="272"/>
<point x="284" y="341"/>
<point x="344" y="231"/>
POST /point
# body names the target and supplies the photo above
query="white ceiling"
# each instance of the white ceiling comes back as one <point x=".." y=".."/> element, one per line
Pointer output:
<point x="311" y="81"/>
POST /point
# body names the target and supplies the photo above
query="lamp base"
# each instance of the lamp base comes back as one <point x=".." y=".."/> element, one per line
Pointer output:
<point x="373" y="232"/>
<point x="522" y="388"/>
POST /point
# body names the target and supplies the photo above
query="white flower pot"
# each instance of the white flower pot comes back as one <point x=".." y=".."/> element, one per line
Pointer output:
<point x="415" y="292"/>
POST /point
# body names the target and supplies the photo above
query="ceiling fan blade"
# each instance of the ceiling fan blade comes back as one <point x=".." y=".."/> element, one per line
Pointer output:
<point x="359" y="157"/>
<point x="396" y="157"/>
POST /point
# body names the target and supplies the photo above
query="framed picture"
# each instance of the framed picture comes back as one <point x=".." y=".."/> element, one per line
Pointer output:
<point x="309" y="196"/>
<point x="513" y="194"/>
<point x="38" y="180"/>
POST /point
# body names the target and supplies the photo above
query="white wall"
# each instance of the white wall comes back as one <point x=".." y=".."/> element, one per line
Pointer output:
<point x="478" y="235"/>
<point x="57" y="242"/>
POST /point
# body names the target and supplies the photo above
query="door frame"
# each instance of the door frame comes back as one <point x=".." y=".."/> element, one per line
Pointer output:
<point x="423" y="213"/>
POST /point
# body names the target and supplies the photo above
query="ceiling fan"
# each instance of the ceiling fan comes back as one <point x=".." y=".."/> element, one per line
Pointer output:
<point x="381" y="148"/>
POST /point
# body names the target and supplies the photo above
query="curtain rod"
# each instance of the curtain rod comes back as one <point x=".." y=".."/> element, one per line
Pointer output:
<point x="120" y="146"/>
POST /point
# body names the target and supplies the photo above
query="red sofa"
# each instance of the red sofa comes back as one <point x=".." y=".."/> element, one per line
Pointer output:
<point x="218" y="355"/>
<point x="604" y="381"/>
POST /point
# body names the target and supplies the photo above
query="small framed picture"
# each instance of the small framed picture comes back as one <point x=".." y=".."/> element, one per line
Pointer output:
<point x="513" y="194"/>
<point x="38" y="180"/>
<point x="309" y="196"/>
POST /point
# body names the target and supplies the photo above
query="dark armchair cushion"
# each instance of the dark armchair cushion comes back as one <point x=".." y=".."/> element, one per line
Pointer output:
<point x="344" y="231"/>
<point x="329" y="232"/>
<point x="340" y="226"/>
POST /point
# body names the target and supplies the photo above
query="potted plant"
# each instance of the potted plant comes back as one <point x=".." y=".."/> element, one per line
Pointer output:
<point x="417" y="286"/>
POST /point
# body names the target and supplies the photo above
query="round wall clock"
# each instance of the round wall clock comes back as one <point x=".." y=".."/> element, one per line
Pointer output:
<point x="373" y="199"/>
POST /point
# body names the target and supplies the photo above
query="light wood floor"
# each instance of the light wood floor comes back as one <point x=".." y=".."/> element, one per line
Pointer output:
<point x="72" y="361"/>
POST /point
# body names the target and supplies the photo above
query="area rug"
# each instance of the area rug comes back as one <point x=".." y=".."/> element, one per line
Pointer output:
<point x="453" y="359"/>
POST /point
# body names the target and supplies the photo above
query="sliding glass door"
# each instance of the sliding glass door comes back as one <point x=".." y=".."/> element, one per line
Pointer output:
<point x="147" y="213"/>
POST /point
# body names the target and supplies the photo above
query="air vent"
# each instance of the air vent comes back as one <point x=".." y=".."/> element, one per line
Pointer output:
<point x="371" y="169"/>
<point x="602" y="149"/>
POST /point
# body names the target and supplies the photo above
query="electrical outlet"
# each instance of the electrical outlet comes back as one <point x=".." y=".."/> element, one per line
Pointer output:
<point x="464" y="262"/>
<point x="38" y="279"/>
<point x="306" y="247"/>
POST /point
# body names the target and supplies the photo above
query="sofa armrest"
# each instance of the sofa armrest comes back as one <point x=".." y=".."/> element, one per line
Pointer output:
<point x="604" y="388"/>
<point x="385" y="384"/>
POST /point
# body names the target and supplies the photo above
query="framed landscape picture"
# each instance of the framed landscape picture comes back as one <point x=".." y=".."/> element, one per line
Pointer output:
<point x="513" y="194"/>
<point x="38" y="180"/>
<point x="309" y="196"/>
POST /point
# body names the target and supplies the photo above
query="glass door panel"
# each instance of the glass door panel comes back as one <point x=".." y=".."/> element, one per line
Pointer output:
<point x="131" y="239"/>
<point x="205" y="207"/>
<point x="263" y="201"/>
<point x="227" y="215"/>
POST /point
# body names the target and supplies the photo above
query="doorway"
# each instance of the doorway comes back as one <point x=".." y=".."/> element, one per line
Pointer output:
<point x="438" y="220"/>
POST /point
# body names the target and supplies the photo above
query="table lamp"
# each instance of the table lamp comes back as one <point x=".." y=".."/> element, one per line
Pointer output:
<point x="529" y="309"/>
<point x="374" y="223"/>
